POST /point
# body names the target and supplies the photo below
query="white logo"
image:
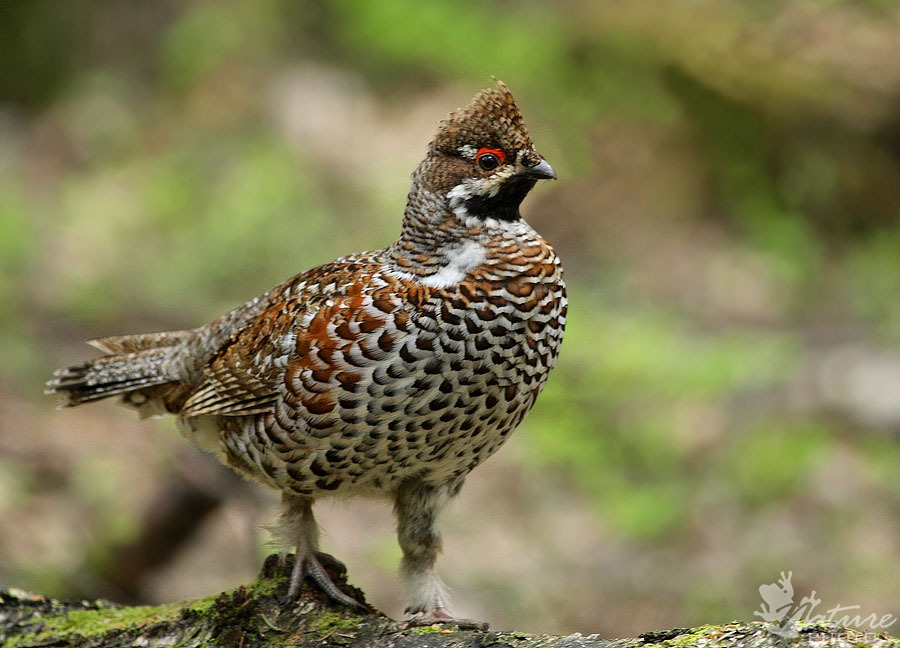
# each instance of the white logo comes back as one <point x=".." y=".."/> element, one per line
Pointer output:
<point x="782" y="613"/>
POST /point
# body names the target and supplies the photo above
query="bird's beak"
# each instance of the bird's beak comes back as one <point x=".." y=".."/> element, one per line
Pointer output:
<point x="542" y="171"/>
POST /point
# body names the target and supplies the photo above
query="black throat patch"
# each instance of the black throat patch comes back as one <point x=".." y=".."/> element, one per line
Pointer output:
<point x="505" y="205"/>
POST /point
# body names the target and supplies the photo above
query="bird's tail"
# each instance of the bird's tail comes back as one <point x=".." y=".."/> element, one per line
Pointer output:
<point x="133" y="363"/>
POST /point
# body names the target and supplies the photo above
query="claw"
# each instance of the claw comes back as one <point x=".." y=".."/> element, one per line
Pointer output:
<point x="310" y="566"/>
<point x="296" y="578"/>
<point x="442" y="617"/>
<point x="331" y="563"/>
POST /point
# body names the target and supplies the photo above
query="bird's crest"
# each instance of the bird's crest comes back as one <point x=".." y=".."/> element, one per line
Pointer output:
<point x="491" y="118"/>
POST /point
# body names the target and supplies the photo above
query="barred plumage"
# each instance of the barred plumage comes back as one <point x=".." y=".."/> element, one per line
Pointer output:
<point x="390" y="373"/>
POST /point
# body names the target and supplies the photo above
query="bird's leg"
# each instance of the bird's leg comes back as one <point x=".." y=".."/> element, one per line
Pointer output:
<point x="297" y="518"/>
<point x="417" y="506"/>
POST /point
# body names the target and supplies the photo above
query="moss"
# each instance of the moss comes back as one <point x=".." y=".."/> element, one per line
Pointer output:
<point x="26" y="639"/>
<point x="697" y="636"/>
<point x="266" y="587"/>
<point x="97" y="622"/>
<point x="432" y="629"/>
<point x="199" y="606"/>
<point x="751" y="634"/>
<point x="90" y="623"/>
<point x="330" y="622"/>
<point x="684" y="637"/>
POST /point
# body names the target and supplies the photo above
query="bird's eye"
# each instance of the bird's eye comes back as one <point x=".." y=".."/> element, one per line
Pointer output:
<point x="489" y="158"/>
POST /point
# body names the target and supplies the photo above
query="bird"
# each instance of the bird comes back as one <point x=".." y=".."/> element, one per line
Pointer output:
<point x="385" y="374"/>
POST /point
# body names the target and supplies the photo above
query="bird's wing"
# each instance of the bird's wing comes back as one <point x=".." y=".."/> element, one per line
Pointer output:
<point x="244" y="375"/>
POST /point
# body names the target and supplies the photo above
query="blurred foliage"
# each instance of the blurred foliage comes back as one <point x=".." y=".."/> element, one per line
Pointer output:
<point x="149" y="178"/>
<point x="612" y="419"/>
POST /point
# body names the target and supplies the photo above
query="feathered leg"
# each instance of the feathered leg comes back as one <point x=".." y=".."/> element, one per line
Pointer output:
<point x="301" y="527"/>
<point x="417" y="506"/>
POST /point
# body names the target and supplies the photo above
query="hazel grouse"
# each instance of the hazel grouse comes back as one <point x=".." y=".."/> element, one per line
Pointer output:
<point x="390" y="373"/>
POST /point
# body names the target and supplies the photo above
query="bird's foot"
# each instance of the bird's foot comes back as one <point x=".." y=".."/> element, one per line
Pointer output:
<point x="440" y="616"/>
<point x="310" y="565"/>
<point x="329" y="562"/>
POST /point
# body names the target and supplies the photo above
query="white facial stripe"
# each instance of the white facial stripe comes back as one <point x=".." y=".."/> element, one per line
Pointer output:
<point x="457" y="198"/>
<point x="461" y="192"/>
<point x="467" y="151"/>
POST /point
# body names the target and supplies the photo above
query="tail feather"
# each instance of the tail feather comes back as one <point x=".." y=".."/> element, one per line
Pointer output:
<point x="139" y="342"/>
<point x="110" y="375"/>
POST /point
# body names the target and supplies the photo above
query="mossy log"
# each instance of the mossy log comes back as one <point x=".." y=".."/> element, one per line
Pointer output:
<point x="257" y="615"/>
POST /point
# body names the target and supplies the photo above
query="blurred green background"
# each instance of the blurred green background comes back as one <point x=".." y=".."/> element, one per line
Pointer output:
<point x="727" y="403"/>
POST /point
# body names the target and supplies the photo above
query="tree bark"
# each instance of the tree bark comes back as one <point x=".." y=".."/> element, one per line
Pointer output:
<point x="258" y="615"/>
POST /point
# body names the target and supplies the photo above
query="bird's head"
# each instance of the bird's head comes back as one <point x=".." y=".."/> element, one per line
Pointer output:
<point x="482" y="161"/>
